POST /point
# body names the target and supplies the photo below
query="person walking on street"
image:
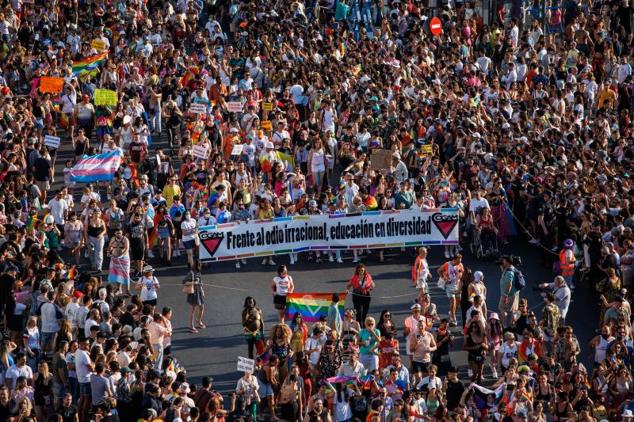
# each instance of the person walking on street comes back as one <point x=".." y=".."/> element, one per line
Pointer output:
<point x="361" y="284"/>
<point x="509" y="295"/>
<point x="451" y="272"/>
<point x="281" y="286"/>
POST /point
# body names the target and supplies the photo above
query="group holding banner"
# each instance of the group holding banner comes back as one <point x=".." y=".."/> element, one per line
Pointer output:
<point x="368" y="230"/>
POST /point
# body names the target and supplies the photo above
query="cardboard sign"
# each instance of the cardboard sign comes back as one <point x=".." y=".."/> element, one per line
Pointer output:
<point x="200" y="151"/>
<point x="267" y="125"/>
<point x="237" y="149"/>
<point x="234" y="106"/>
<point x="427" y="149"/>
<point x="267" y="106"/>
<point x="381" y="159"/>
<point x="245" y="364"/>
<point x="198" y="108"/>
<point x="105" y="97"/>
<point x="51" y="85"/>
<point x="52" y="141"/>
<point x="98" y="45"/>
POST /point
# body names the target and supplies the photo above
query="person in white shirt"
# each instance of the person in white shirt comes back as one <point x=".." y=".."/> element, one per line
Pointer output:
<point x="353" y="368"/>
<point x="59" y="209"/>
<point x="313" y="346"/>
<point x="17" y="370"/>
<point x="83" y="367"/>
<point x="562" y="292"/>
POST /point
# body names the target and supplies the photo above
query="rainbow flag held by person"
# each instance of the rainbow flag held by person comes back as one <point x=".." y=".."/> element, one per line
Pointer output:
<point x="312" y="306"/>
<point x="88" y="63"/>
<point x="96" y="168"/>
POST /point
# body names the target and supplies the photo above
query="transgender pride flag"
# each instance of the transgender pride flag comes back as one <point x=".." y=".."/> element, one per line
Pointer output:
<point x="96" y="168"/>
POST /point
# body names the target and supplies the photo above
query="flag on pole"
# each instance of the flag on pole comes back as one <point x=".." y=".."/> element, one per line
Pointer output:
<point x="96" y="168"/>
<point x="88" y="63"/>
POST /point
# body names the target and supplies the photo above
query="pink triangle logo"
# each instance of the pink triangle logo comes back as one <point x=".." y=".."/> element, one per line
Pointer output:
<point x="445" y="223"/>
<point x="211" y="241"/>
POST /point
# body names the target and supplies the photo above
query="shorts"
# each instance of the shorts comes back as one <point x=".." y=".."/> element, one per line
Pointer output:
<point x="452" y="291"/>
<point x="137" y="250"/>
<point x="47" y="339"/>
<point x="265" y="390"/>
<point x="84" y="389"/>
<point x="279" y="302"/>
<point x="150" y="302"/>
<point x="420" y="366"/>
<point x="189" y="244"/>
<point x="43" y="185"/>
<point x="58" y="390"/>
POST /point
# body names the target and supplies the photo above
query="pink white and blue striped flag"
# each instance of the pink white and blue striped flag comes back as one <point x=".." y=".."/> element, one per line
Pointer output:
<point x="96" y="168"/>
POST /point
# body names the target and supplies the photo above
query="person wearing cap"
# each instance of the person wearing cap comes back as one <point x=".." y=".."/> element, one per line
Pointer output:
<point x="562" y="293"/>
<point x="149" y="285"/>
<point x="567" y="261"/>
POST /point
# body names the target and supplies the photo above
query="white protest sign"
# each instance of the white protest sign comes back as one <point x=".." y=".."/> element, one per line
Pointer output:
<point x="234" y="106"/>
<point x="201" y="151"/>
<point x="246" y="365"/>
<point x="237" y="149"/>
<point x="198" y="108"/>
<point x="51" y="141"/>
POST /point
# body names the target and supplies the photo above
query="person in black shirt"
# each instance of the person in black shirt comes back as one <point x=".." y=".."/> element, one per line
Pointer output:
<point x="454" y="388"/>
<point x="68" y="410"/>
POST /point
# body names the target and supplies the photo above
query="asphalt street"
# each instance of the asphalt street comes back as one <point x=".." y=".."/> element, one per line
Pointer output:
<point x="214" y="350"/>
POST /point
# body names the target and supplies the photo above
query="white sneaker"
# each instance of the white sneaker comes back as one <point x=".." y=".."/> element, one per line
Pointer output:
<point x="330" y="258"/>
<point x="356" y="259"/>
<point x="292" y="260"/>
<point x="271" y="262"/>
<point x="244" y="261"/>
<point x="264" y="261"/>
<point x="447" y="254"/>
<point x="176" y="253"/>
<point x="150" y="254"/>
<point x="469" y="373"/>
<point x="237" y="264"/>
<point x="533" y="241"/>
<point x="339" y="261"/>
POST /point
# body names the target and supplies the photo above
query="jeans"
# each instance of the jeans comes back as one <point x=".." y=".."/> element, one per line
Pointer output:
<point x="158" y="348"/>
<point x="157" y="121"/>
<point x="96" y="251"/>
<point x="74" y="388"/>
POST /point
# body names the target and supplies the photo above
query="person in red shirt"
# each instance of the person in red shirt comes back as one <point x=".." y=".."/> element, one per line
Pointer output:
<point x="386" y="348"/>
<point x="361" y="284"/>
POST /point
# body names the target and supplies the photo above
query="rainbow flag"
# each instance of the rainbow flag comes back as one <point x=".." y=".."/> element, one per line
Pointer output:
<point x="312" y="306"/>
<point x="96" y="168"/>
<point x="88" y="63"/>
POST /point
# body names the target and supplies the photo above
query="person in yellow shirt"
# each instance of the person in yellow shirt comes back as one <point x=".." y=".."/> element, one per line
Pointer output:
<point x="170" y="190"/>
<point x="606" y="97"/>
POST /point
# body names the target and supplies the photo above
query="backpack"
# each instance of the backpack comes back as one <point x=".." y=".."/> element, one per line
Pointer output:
<point x="519" y="282"/>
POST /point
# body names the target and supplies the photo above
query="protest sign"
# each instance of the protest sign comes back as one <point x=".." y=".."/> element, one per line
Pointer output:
<point x="267" y="106"/>
<point x="237" y="149"/>
<point x="105" y="97"/>
<point x="51" y="85"/>
<point x="427" y="149"/>
<point x="381" y="159"/>
<point x="98" y="45"/>
<point x="52" y="141"/>
<point x="198" y="108"/>
<point x="200" y="151"/>
<point x="267" y="125"/>
<point x="245" y="364"/>
<point x="234" y="106"/>
<point x="368" y="230"/>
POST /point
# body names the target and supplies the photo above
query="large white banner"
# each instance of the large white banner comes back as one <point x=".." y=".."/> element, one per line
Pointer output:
<point x="368" y="230"/>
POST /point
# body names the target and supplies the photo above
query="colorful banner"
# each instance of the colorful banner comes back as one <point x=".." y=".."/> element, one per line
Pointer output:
<point x="96" y="168"/>
<point x="88" y="63"/>
<point x="105" y="97"/>
<point x="367" y="230"/>
<point x="312" y="306"/>
<point x="51" y="85"/>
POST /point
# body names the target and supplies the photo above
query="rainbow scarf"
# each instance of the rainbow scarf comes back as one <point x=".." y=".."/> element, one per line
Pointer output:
<point x="88" y="63"/>
<point x="312" y="306"/>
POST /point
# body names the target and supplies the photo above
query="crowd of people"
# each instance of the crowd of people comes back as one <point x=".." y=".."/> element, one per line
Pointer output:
<point x="519" y="115"/>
